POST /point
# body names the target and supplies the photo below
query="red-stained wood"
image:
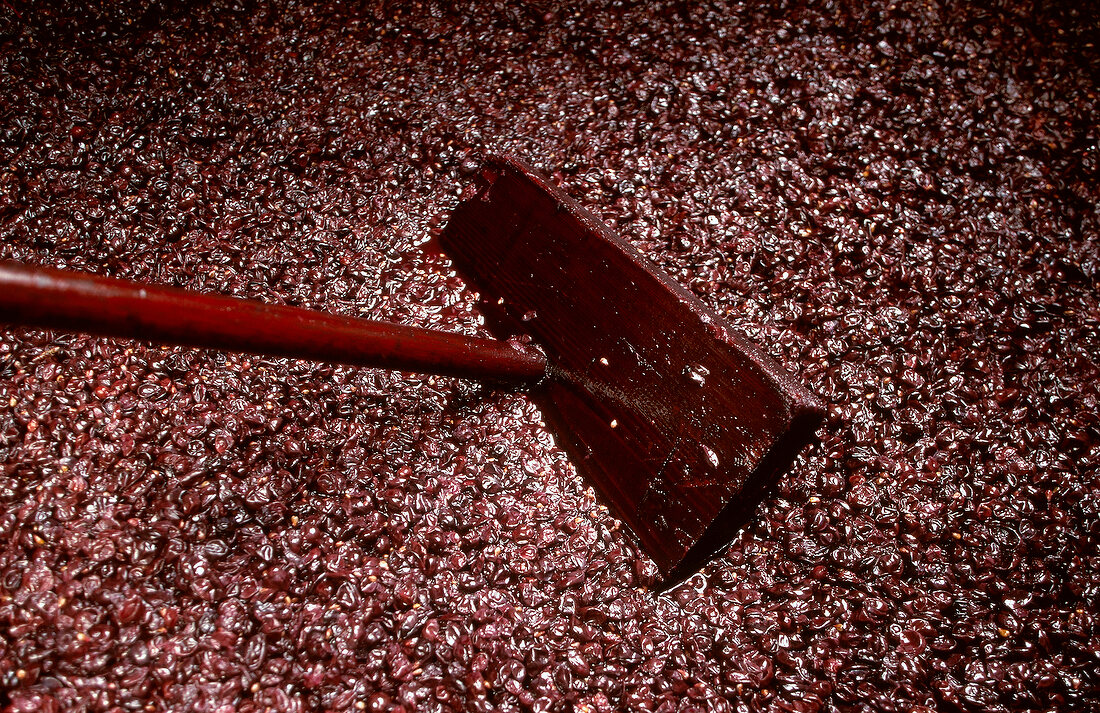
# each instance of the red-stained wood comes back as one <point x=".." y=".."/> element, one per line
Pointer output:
<point x="58" y="299"/>
<point x="678" y="422"/>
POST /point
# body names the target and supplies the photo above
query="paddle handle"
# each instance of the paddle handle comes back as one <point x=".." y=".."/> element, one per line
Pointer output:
<point x="71" y="301"/>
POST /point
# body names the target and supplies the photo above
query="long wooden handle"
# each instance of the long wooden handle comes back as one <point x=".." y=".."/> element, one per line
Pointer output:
<point x="71" y="301"/>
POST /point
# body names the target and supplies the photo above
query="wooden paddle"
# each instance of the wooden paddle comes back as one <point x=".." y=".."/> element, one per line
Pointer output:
<point x="678" y="422"/>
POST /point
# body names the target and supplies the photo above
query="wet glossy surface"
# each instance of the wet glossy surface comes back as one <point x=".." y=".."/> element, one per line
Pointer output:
<point x="897" y="200"/>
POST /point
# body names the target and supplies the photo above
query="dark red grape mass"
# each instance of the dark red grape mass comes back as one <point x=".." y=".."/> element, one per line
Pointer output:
<point x="898" y="200"/>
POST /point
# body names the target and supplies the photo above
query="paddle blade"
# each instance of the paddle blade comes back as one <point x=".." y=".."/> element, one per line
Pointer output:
<point x="677" y="422"/>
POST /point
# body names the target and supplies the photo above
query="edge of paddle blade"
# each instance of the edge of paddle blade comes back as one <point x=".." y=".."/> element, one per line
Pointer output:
<point x="680" y="424"/>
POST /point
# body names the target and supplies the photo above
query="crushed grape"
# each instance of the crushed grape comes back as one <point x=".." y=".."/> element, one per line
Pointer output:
<point x="896" y="198"/>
